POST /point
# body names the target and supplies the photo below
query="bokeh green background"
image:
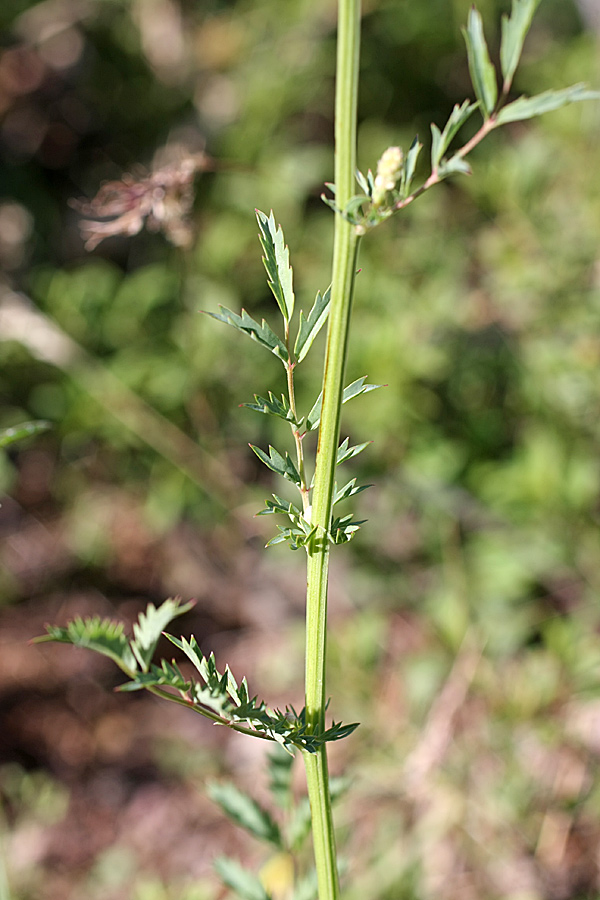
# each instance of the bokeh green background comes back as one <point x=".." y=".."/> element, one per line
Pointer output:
<point x="465" y="614"/>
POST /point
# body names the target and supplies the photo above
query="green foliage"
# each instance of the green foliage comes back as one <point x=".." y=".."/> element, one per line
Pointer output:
<point x="310" y="326"/>
<point x="483" y="74"/>
<point x="245" y="812"/>
<point x="514" y="31"/>
<point x="355" y="389"/>
<point x="218" y="696"/>
<point x="441" y="140"/>
<point x="366" y="210"/>
<point x="244" y="883"/>
<point x="16" y="433"/>
<point x="276" y="260"/>
<point x="485" y="442"/>
<point x="273" y="407"/>
<point x="262" y="333"/>
<point x="284" y="834"/>
<point x="101" y="635"/>
<point x="281" y="465"/>
<point x="528" y="107"/>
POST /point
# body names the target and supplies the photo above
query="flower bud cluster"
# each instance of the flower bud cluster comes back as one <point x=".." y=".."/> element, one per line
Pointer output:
<point x="389" y="169"/>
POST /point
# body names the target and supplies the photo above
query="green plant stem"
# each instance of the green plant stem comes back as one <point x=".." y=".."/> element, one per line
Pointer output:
<point x="344" y="269"/>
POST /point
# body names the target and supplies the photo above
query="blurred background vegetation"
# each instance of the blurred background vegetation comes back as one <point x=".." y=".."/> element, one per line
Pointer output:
<point x="465" y="614"/>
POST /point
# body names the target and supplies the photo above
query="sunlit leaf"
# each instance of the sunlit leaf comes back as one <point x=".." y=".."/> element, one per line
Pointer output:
<point x="352" y="390"/>
<point x="310" y="327"/>
<point x="277" y="263"/>
<point x="102" y="635"/>
<point x="150" y="625"/>
<point x="345" y="452"/>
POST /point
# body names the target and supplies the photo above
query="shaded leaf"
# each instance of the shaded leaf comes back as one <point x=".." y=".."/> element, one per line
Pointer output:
<point x="483" y="74"/>
<point x="528" y="107"/>
<point x="456" y="165"/>
<point x="441" y="140"/>
<point x="244" y="883"/>
<point x="280" y="766"/>
<point x="277" y="263"/>
<point x="514" y="31"/>
<point x="307" y="888"/>
<point x="310" y="327"/>
<point x="409" y="166"/>
<point x="245" y="811"/>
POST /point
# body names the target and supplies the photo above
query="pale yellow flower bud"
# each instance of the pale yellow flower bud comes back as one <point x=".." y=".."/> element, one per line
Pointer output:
<point x="389" y="169"/>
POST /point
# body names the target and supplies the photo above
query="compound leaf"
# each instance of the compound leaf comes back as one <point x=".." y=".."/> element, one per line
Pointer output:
<point x="244" y="883"/>
<point x="282" y="465"/>
<point x="102" y="635"/>
<point x="352" y="390"/>
<point x="151" y="624"/>
<point x="345" y="452"/>
<point x="349" y="490"/>
<point x="277" y="263"/>
<point x="245" y="811"/>
<point x="271" y="406"/>
<point x="280" y="776"/>
<point x="262" y="333"/>
<point x="277" y="505"/>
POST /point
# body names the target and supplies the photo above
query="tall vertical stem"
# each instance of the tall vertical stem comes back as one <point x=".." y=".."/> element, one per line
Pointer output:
<point x="344" y="269"/>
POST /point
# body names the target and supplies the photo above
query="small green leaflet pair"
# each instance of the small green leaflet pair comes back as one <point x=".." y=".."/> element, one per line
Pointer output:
<point x="216" y="695"/>
<point x="492" y="103"/>
<point x="276" y="261"/>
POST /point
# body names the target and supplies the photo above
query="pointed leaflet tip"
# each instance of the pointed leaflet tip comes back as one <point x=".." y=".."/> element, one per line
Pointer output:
<point x="528" y="107"/>
<point x="276" y="262"/>
<point x="483" y="74"/>
<point x="514" y="32"/>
